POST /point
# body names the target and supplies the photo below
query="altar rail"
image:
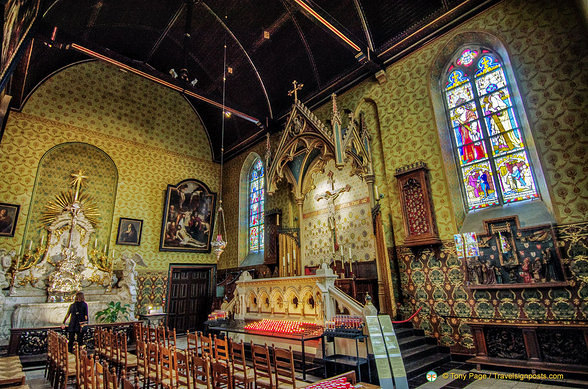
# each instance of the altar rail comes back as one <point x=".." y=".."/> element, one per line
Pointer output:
<point x="31" y="343"/>
<point x="562" y="348"/>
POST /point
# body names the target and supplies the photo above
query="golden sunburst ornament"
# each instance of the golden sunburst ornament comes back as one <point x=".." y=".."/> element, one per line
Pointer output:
<point x="74" y="200"/>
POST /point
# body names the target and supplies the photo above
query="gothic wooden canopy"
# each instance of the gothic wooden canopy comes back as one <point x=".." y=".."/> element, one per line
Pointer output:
<point x="307" y="144"/>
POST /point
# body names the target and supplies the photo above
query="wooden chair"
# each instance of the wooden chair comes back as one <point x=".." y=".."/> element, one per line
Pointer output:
<point x="167" y="366"/>
<point x="152" y="367"/>
<point x="284" y="365"/>
<point x="110" y="381"/>
<point x="151" y="335"/>
<point x="221" y="375"/>
<point x="125" y="360"/>
<point x="221" y="350"/>
<point x="66" y="364"/>
<point x="138" y="331"/>
<point x="161" y="335"/>
<point x="79" y="367"/>
<point x="98" y="347"/>
<point x="126" y="383"/>
<point x="141" y="359"/>
<point x="243" y="376"/>
<point x="171" y="338"/>
<point x="206" y="345"/>
<point x="200" y="371"/>
<point x="99" y="375"/>
<point x="183" y="372"/>
<point x="51" y="363"/>
<point x="88" y="371"/>
<point x="262" y="368"/>
<point x="112" y="351"/>
<point x="191" y="342"/>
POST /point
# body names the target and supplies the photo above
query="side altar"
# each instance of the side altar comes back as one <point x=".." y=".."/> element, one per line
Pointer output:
<point x="43" y="280"/>
<point x="312" y="298"/>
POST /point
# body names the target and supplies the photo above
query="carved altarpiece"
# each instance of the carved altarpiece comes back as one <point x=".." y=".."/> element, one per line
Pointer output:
<point x="515" y="257"/>
<point x="306" y="145"/>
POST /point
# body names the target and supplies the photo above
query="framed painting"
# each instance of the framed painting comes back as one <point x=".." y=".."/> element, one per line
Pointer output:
<point x="17" y="19"/>
<point x="188" y="217"/>
<point x="129" y="232"/>
<point x="8" y="218"/>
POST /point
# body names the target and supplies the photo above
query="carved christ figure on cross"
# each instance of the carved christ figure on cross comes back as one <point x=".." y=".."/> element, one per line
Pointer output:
<point x="331" y="196"/>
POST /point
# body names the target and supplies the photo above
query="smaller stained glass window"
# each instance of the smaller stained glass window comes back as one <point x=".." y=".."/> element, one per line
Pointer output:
<point x="256" y="207"/>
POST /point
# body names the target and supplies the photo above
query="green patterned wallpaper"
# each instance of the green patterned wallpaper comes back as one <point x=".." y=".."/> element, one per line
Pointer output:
<point x="151" y="133"/>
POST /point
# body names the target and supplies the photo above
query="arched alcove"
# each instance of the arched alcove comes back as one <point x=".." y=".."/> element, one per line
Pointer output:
<point x="54" y="176"/>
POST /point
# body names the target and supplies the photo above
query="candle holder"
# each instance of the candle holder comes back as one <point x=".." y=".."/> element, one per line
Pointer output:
<point x="25" y="261"/>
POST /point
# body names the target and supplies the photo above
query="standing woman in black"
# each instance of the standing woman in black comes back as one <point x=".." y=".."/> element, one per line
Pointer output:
<point x="79" y="318"/>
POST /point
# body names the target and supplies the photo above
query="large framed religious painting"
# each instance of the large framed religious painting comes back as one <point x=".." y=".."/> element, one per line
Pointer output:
<point x="17" y="19"/>
<point x="8" y="218"/>
<point x="188" y="217"/>
<point x="129" y="232"/>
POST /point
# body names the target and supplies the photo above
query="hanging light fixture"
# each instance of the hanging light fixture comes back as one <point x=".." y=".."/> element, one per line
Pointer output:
<point x="220" y="243"/>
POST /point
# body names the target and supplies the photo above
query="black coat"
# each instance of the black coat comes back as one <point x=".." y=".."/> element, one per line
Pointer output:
<point x="79" y="314"/>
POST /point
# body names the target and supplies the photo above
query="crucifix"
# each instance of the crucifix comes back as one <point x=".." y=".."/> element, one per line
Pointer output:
<point x="331" y="196"/>
<point x="295" y="90"/>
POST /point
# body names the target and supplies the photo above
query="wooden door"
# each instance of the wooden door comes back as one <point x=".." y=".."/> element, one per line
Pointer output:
<point x="190" y="296"/>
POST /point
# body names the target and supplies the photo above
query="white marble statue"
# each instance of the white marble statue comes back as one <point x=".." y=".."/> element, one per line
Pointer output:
<point x="6" y="258"/>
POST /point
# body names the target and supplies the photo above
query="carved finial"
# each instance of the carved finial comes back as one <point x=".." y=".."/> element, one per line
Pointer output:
<point x="334" y="97"/>
<point x="295" y="90"/>
<point x="77" y="182"/>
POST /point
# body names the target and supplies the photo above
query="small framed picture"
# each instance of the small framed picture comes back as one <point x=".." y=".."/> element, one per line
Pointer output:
<point x="129" y="232"/>
<point x="8" y="218"/>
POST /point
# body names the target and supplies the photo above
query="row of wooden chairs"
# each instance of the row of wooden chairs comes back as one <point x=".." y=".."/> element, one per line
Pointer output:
<point x="169" y="367"/>
<point x="158" y="334"/>
<point x="275" y="372"/>
<point x="111" y="346"/>
<point x="61" y="364"/>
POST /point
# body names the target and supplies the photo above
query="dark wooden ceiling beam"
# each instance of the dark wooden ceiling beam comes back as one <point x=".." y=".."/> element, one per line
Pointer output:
<point x="254" y="67"/>
<point x="162" y="36"/>
<point x="306" y="46"/>
<point x="364" y="25"/>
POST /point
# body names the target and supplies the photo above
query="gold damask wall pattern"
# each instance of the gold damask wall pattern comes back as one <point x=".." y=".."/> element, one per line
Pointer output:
<point x="54" y="176"/>
<point x="151" y="133"/>
<point x="546" y="46"/>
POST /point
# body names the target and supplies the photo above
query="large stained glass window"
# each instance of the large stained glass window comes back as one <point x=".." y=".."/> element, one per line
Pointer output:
<point x="493" y="162"/>
<point x="256" y="207"/>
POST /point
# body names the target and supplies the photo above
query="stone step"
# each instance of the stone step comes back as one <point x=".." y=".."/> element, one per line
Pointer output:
<point x="411" y="341"/>
<point x="403" y="332"/>
<point x="423" y="365"/>
<point x="418" y="352"/>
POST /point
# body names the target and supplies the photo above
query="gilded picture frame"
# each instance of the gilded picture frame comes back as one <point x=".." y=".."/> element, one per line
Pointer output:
<point x="188" y="217"/>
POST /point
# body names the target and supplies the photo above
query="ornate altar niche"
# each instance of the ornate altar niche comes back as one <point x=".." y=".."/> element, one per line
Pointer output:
<point x="515" y="257"/>
<point x="418" y="216"/>
<point x="45" y="279"/>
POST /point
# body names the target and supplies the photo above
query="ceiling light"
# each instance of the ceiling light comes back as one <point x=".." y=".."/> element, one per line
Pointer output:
<point x="228" y="114"/>
<point x="266" y="34"/>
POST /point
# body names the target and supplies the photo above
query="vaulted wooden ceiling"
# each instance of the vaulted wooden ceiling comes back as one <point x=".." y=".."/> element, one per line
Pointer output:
<point x="327" y="45"/>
